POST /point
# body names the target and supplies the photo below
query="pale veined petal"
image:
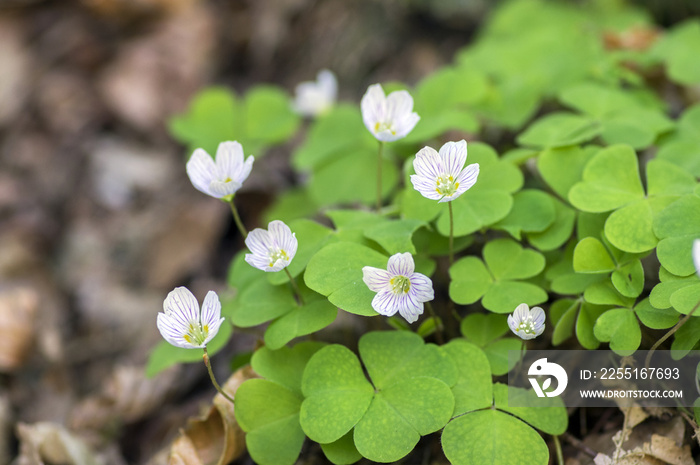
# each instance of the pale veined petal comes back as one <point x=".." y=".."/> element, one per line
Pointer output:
<point x="405" y="124"/>
<point x="201" y="170"/>
<point x="220" y="189"/>
<point x="401" y="264"/>
<point x="454" y="155"/>
<point x="259" y="262"/>
<point x="467" y="178"/>
<point x="428" y="164"/>
<point x="211" y="309"/>
<point x="245" y="169"/>
<point x="328" y="85"/>
<point x="410" y="309"/>
<point x="172" y="332"/>
<point x="421" y="287"/>
<point x="376" y="279"/>
<point x="426" y="187"/>
<point x="229" y="160"/>
<point x="373" y="107"/>
<point x="696" y="256"/>
<point x="260" y="242"/>
<point x="385" y="303"/>
<point x="181" y="305"/>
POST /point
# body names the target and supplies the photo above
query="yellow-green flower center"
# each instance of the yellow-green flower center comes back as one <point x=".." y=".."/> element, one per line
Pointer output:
<point x="279" y="254"/>
<point x="196" y="333"/>
<point x="446" y="185"/>
<point x="400" y="284"/>
<point x="383" y="126"/>
<point x="527" y="326"/>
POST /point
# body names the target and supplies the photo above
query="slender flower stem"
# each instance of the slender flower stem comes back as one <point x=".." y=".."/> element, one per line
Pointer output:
<point x="557" y="447"/>
<point x="452" y="234"/>
<point x="438" y="324"/>
<point x="379" y="175"/>
<point x="237" y="219"/>
<point x="294" y="286"/>
<point x="669" y="334"/>
<point x="211" y="376"/>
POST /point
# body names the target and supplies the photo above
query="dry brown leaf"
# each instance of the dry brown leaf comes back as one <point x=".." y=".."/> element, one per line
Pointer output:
<point x="661" y="450"/>
<point x="50" y="443"/>
<point x="216" y="437"/>
<point x="18" y="308"/>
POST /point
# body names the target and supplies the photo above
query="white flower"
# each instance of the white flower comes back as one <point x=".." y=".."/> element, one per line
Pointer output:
<point x="316" y="97"/>
<point x="526" y="323"/>
<point x="696" y="256"/>
<point x="388" y="118"/>
<point x="439" y="176"/>
<point x="223" y="178"/>
<point x="183" y="325"/>
<point x="273" y="249"/>
<point x="399" y="288"/>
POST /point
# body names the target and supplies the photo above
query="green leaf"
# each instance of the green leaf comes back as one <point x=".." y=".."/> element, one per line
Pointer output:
<point x="597" y="100"/>
<point x="213" y="116"/>
<point x="395" y="236"/>
<point x="286" y="365"/>
<point x="532" y="211"/>
<point x="473" y="389"/>
<point x="399" y="415"/>
<point x="561" y="168"/>
<point x="558" y="232"/>
<point x="269" y="115"/>
<point x="337" y="394"/>
<point x="680" y="218"/>
<point x="674" y="254"/>
<point x="336" y="272"/>
<point x="469" y="280"/>
<point x="269" y="414"/>
<point x="604" y="293"/>
<point x="587" y="317"/>
<point x="619" y="326"/>
<point x="311" y="236"/>
<point x="497" y="353"/>
<point x="260" y="302"/>
<point x="551" y="420"/>
<point x="686" y="338"/>
<point x="342" y="451"/>
<point x="655" y="318"/>
<point x="290" y="205"/>
<point x="492" y="437"/>
<point x="303" y="320"/>
<point x="559" y="130"/>
<point x="339" y="130"/>
<point x="351" y="177"/>
<point x="474" y="211"/>
<point x="504" y="296"/>
<point x="610" y="180"/>
<point x="665" y="178"/>
<point x="165" y="355"/>
<point x="591" y="256"/>
<point x="391" y="357"/>
<point x="678" y="49"/>
<point x="630" y="228"/>
<point x="509" y="260"/>
<point x="629" y="279"/>
<point x="480" y="328"/>
<point x="685" y="299"/>
<point x="564" y="324"/>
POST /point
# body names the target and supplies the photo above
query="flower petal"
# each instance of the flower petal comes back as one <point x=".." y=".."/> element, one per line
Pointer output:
<point x="201" y="170"/>
<point x="181" y="305"/>
<point x="467" y="178"/>
<point x="220" y="189"/>
<point x="401" y="264"/>
<point x="399" y="105"/>
<point x="421" y="287"/>
<point x="426" y="187"/>
<point x="428" y="164"/>
<point x="229" y="160"/>
<point x="373" y="106"/>
<point x="283" y="237"/>
<point x="211" y="309"/>
<point x="454" y="156"/>
<point x="260" y="242"/>
<point x="259" y="262"/>
<point x="521" y="313"/>
<point x="172" y="332"/>
<point x="405" y="125"/>
<point x="385" y="303"/>
<point x="410" y="308"/>
<point x="376" y="279"/>
<point x="696" y="256"/>
<point x="328" y="84"/>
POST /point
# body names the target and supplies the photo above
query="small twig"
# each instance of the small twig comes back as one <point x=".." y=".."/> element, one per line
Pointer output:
<point x="295" y="287"/>
<point x="577" y="443"/>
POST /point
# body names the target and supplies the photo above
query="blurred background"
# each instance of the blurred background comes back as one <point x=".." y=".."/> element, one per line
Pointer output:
<point x="98" y="220"/>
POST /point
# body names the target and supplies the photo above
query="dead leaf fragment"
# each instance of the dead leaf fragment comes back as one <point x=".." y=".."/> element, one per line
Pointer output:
<point x="18" y="307"/>
<point x="216" y="437"/>
<point x="50" y="443"/>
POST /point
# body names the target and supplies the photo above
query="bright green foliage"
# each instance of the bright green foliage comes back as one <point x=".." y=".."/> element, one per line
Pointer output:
<point x="492" y="437"/>
<point x="683" y="146"/>
<point x="473" y="389"/>
<point x="302" y="320"/>
<point x="560" y="130"/>
<point x="311" y="236"/>
<point x="216" y="115"/>
<point x="507" y="262"/>
<point x="655" y="318"/>
<point x="677" y="226"/>
<point x="533" y="211"/>
<point x="486" y="331"/>
<point x="268" y="409"/>
<point x="563" y="167"/>
<point x="551" y="419"/>
<point x="678" y="50"/>
<point x="336" y="272"/>
<point x="619" y="326"/>
<point x="409" y="397"/>
<point x="575" y="316"/>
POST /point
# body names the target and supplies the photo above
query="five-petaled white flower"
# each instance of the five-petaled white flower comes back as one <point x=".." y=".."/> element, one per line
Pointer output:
<point x="183" y="325"/>
<point x="439" y="176"/>
<point x="526" y="323"/>
<point x="273" y="249"/>
<point x="220" y="179"/>
<point x="696" y="256"/>
<point x="399" y="288"/>
<point x="388" y="118"/>
<point x="316" y="97"/>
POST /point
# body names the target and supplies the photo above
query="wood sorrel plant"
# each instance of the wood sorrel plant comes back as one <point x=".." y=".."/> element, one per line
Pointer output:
<point x="558" y="216"/>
